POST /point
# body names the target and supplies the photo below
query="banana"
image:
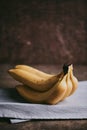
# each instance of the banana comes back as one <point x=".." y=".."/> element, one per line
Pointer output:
<point x="74" y="80"/>
<point x="34" y="71"/>
<point x="52" y="96"/>
<point x="40" y="87"/>
<point x="69" y="83"/>
<point x="29" y="79"/>
<point x="65" y="95"/>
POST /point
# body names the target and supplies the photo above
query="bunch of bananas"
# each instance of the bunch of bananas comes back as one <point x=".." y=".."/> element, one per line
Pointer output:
<point x="40" y="87"/>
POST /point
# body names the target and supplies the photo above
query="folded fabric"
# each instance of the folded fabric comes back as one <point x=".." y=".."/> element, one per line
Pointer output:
<point x="14" y="107"/>
<point x="13" y="121"/>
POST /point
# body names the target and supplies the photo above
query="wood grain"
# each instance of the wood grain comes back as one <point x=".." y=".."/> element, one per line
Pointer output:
<point x="46" y="125"/>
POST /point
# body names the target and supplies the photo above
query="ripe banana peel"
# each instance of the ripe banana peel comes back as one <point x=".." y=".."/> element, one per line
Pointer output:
<point x="74" y="80"/>
<point x="69" y="83"/>
<point x="40" y="87"/>
<point x="35" y="82"/>
<point x="52" y="96"/>
<point x="34" y="71"/>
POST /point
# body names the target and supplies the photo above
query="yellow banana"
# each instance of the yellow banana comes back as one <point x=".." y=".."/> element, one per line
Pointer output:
<point x="65" y="95"/>
<point x="34" y="71"/>
<point x="29" y="79"/>
<point x="52" y="96"/>
<point x="74" y="80"/>
<point x="69" y="83"/>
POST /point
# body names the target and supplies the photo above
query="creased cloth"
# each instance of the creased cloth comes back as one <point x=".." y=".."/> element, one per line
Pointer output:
<point x="14" y="107"/>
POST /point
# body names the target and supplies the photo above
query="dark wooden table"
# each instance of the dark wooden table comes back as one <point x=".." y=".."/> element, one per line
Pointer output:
<point x="80" y="72"/>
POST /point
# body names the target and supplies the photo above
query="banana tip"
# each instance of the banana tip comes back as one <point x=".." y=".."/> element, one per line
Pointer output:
<point x="10" y="70"/>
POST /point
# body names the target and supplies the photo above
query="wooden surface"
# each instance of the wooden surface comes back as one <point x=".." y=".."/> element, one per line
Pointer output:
<point x="46" y="125"/>
<point x="6" y="81"/>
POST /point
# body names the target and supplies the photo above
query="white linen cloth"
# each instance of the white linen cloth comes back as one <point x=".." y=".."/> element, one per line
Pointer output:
<point x="13" y="106"/>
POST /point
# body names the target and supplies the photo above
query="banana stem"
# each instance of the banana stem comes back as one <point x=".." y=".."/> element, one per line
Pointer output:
<point x="65" y="69"/>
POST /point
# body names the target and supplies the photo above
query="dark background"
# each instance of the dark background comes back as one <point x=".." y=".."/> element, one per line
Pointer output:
<point x="43" y="31"/>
